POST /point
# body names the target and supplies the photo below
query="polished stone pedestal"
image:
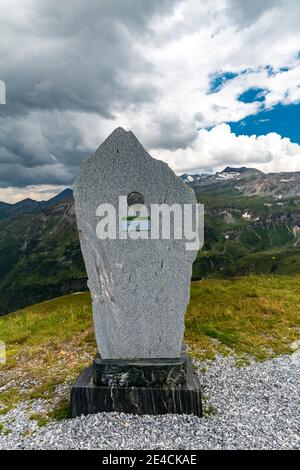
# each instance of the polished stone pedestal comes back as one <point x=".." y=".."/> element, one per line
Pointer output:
<point x="139" y="372"/>
<point x="138" y="387"/>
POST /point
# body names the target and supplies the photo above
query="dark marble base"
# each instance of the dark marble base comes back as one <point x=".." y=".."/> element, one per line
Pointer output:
<point x="139" y="372"/>
<point x="181" y="398"/>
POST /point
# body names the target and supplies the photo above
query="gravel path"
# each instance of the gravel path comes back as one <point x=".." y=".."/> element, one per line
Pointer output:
<point x="254" y="407"/>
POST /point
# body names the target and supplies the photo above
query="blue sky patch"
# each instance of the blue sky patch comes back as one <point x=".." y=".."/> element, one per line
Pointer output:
<point x="252" y="94"/>
<point x="285" y="120"/>
<point x="218" y="80"/>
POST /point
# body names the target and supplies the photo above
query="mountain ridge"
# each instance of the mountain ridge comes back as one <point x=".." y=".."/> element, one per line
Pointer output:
<point x="29" y="205"/>
<point x="247" y="181"/>
<point x="235" y="173"/>
<point x="40" y="256"/>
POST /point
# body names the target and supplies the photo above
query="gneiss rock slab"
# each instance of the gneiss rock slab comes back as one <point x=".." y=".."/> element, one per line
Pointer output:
<point x="140" y="288"/>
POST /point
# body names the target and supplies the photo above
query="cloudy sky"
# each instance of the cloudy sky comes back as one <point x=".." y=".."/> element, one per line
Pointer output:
<point x="202" y="83"/>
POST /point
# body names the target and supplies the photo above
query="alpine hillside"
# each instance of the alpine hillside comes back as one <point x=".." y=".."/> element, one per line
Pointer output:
<point x="252" y="226"/>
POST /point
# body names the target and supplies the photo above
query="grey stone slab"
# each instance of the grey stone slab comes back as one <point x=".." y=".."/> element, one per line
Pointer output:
<point x="140" y="288"/>
<point x="89" y="398"/>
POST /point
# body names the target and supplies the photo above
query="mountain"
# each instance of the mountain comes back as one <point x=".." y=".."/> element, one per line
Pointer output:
<point x="40" y="256"/>
<point x="64" y="195"/>
<point x="27" y="205"/>
<point x="191" y="178"/>
<point x="247" y="181"/>
<point x="252" y="223"/>
<point x="31" y="206"/>
<point x="252" y="226"/>
<point x="244" y="171"/>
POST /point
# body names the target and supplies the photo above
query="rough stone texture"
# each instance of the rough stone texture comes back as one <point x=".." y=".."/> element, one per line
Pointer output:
<point x="89" y="398"/>
<point x="140" y="288"/>
<point x="139" y="372"/>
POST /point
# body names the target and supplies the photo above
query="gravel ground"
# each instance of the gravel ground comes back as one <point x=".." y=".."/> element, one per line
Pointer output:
<point x="254" y="407"/>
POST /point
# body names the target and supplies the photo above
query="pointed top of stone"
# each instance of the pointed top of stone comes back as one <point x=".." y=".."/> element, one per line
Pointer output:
<point x="119" y="132"/>
<point x="122" y="148"/>
<point x="121" y="136"/>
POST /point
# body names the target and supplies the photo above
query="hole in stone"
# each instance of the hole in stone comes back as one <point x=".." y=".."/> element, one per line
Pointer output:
<point x="135" y="198"/>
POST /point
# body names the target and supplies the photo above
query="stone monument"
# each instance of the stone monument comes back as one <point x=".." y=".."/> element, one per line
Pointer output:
<point x="139" y="270"/>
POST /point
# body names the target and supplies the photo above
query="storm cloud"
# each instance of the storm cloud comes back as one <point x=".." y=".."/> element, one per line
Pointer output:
<point x="62" y="61"/>
<point x="78" y="56"/>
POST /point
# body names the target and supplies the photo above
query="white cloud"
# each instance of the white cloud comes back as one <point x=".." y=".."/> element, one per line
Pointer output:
<point x="220" y="147"/>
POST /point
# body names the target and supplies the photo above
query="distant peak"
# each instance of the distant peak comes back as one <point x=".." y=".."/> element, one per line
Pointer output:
<point x="242" y="169"/>
<point x="65" y="194"/>
<point x="25" y="202"/>
<point x="230" y="169"/>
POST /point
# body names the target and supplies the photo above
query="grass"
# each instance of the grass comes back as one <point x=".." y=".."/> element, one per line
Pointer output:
<point x="48" y="344"/>
<point x="256" y="315"/>
<point x="48" y="322"/>
<point x="4" y="431"/>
